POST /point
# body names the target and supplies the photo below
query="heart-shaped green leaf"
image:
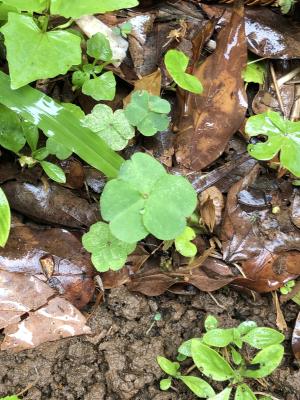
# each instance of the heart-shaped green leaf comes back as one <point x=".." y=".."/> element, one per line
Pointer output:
<point x="183" y="243"/>
<point x="262" y="337"/>
<point x="98" y="47"/>
<point x="243" y="392"/>
<point x="4" y="218"/>
<point x="198" y="386"/>
<point x="282" y="136"/>
<point x="176" y="63"/>
<point x="269" y="358"/>
<point x="108" y="252"/>
<point x="33" y="54"/>
<point x="101" y="88"/>
<point x="112" y="127"/>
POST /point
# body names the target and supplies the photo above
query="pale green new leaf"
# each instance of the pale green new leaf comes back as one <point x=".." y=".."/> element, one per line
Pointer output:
<point x="183" y="243"/>
<point x="169" y="367"/>
<point x="246" y="327"/>
<point x="255" y="73"/>
<point x="176" y="63"/>
<point x="210" y="322"/>
<point x="11" y="130"/>
<point x="198" y="386"/>
<point x="54" y="172"/>
<point x="224" y="395"/>
<point x="108" y="252"/>
<point x="269" y="359"/>
<point x="186" y="347"/>
<point x="165" y="384"/>
<point x="210" y="363"/>
<point x="37" y="6"/>
<point x="33" y="54"/>
<point x="112" y="127"/>
<point x="4" y="218"/>
<point x="77" y="8"/>
<point x="218" y="337"/>
<point x="10" y="398"/>
<point x="243" y="392"/>
<point x="101" y="88"/>
<point x="262" y="337"/>
<point x="98" y="47"/>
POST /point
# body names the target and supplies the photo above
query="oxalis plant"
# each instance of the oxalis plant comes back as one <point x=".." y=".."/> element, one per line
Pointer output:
<point x="219" y="356"/>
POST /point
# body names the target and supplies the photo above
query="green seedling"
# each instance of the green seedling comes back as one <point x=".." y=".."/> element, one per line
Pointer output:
<point x="207" y="355"/>
<point x="5" y="218"/>
<point x="254" y="72"/>
<point x="183" y="243"/>
<point x="283" y="137"/>
<point x="10" y="398"/>
<point x="147" y="112"/>
<point x="112" y="127"/>
<point x="123" y="29"/>
<point x="285" y="5"/>
<point x="288" y="286"/>
<point x="108" y="252"/>
<point x="156" y="318"/>
<point x="176" y="63"/>
<point x="146" y="199"/>
<point x="101" y="87"/>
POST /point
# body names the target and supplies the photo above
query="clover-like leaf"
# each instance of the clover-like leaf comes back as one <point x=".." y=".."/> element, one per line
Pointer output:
<point x="11" y="130"/>
<point x="101" y="88"/>
<point x="145" y="199"/>
<point x="243" y="392"/>
<point x="262" y="337"/>
<point x="169" y="367"/>
<point x="147" y="112"/>
<point x="98" y="47"/>
<point x="183" y="243"/>
<point x="33" y="54"/>
<point x="112" y="127"/>
<point x="254" y="72"/>
<point x="5" y="218"/>
<point x="108" y="252"/>
<point x="210" y="363"/>
<point x="176" y="63"/>
<point x="54" y="172"/>
<point x="77" y="8"/>
<point x="198" y="386"/>
<point x="268" y="360"/>
<point x="224" y="395"/>
<point x="282" y="136"/>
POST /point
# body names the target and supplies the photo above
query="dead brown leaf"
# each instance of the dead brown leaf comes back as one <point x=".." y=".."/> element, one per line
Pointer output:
<point x="151" y="83"/>
<point x="220" y="110"/>
<point x="296" y="338"/>
<point x="211" y="205"/>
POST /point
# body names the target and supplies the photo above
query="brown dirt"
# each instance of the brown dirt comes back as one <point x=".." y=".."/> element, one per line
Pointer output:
<point x="118" y="361"/>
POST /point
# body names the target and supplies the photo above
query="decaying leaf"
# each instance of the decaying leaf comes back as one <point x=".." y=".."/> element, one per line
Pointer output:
<point x="73" y="273"/>
<point x="151" y="83"/>
<point x="220" y="110"/>
<point x="295" y="212"/>
<point x="296" y="338"/>
<point x="211" y="205"/>
<point x="56" y="320"/>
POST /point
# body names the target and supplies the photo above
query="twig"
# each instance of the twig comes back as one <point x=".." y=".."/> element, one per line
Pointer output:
<point x="288" y="77"/>
<point x="267" y="394"/>
<point x="277" y="90"/>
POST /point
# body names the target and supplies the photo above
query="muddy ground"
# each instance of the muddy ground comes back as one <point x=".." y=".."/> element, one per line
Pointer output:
<point x="118" y="360"/>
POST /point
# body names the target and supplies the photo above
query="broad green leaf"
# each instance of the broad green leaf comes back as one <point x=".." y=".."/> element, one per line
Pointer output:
<point x="198" y="386"/>
<point x="59" y="150"/>
<point x="61" y="124"/>
<point x="176" y="63"/>
<point x="4" y="219"/>
<point x="148" y="113"/>
<point x="74" y="109"/>
<point x="183" y="243"/>
<point x="255" y="73"/>
<point x="186" y="347"/>
<point x="285" y="5"/>
<point x="54" y="172"/>
<point x="33" y="54"/>
<point x="282" y="136"/>
<point x="224" y="395"/>
<point x="98" y="47"/>
<point x="243" y="392"/>
<point x="246" y="327"/>
<point x="4" y="10"/>
<point x="210" y="363"/>
<point x="169" y="367"/>
<point x="107" y="251"/>
<point x="112" y="127"/>
<point x="236" y="357"/>
<point x="101" y="88"/>
<point x="210" y="322"/>
<point x="165" y="384"/>
<point x="262" y="337"/>
<point x="77" y="8"/>
<point x="269" y="359"/>
<point x="79" y="77"/>
<point x="146" y="201"/>
<point x="37" y="6"/>
<point x="218" y="337"/>
<point x="31" y="134"/>
<point x="11" y="131"/>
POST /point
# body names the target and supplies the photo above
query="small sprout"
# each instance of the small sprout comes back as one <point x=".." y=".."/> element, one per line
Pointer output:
<point x="176" y="63"/>
<point x="288" y="286"/>
<point x="123" y="29"/>
<point x="98" y="47"/>
<point x="165" y="384"/>
<point x="254" y="72"/>
<point x="183" y="243"/>
<point x="210" y="322"/>
<point x="157" y="317"/>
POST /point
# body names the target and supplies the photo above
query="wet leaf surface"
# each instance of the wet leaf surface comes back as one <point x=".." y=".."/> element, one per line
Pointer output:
<point x="203" y="135"/>
<point x="296" y="338"/>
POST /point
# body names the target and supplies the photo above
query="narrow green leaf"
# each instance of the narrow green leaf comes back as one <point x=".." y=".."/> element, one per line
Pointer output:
<point x="4" y="218"/>
<point x="169" y="367"/>
<point x="243" y="392"/>
<point x="269" y="359"/>
<point x="58" y="122"/>
<point x="224" y="395"/>
<point x="210" y="363"/>
<point x="262" y="337"/>
<point x="54" y="172"/>
<point x="236" y="357"/>
<point x="165" y="384"/>
<point x="198" y="386"/>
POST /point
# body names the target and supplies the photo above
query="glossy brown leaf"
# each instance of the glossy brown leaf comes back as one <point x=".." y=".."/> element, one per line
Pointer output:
<point x="56" y="320"/>
<point x="72" y="274"/>
<point x="53" y="204"/>
<point x="219" y="111"/>
<point x="296" y="338"/>
<point x="74" y="172"/>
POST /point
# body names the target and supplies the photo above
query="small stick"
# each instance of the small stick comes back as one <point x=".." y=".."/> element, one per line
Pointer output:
<point x="277" y="90"/>
<point x="267" y="394"/>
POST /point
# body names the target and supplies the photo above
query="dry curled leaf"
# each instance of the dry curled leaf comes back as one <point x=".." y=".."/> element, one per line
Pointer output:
<point x="295" y="212"/>
<point x="296" y="338"/>
<point x="56" y="320"/>
<point x="210" y="119"/>
<point x="211" y="205"/>
<point x="151" y="83"/>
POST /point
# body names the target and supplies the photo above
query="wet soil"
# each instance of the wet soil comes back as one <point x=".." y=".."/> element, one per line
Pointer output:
<point x="118" y="360"/>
